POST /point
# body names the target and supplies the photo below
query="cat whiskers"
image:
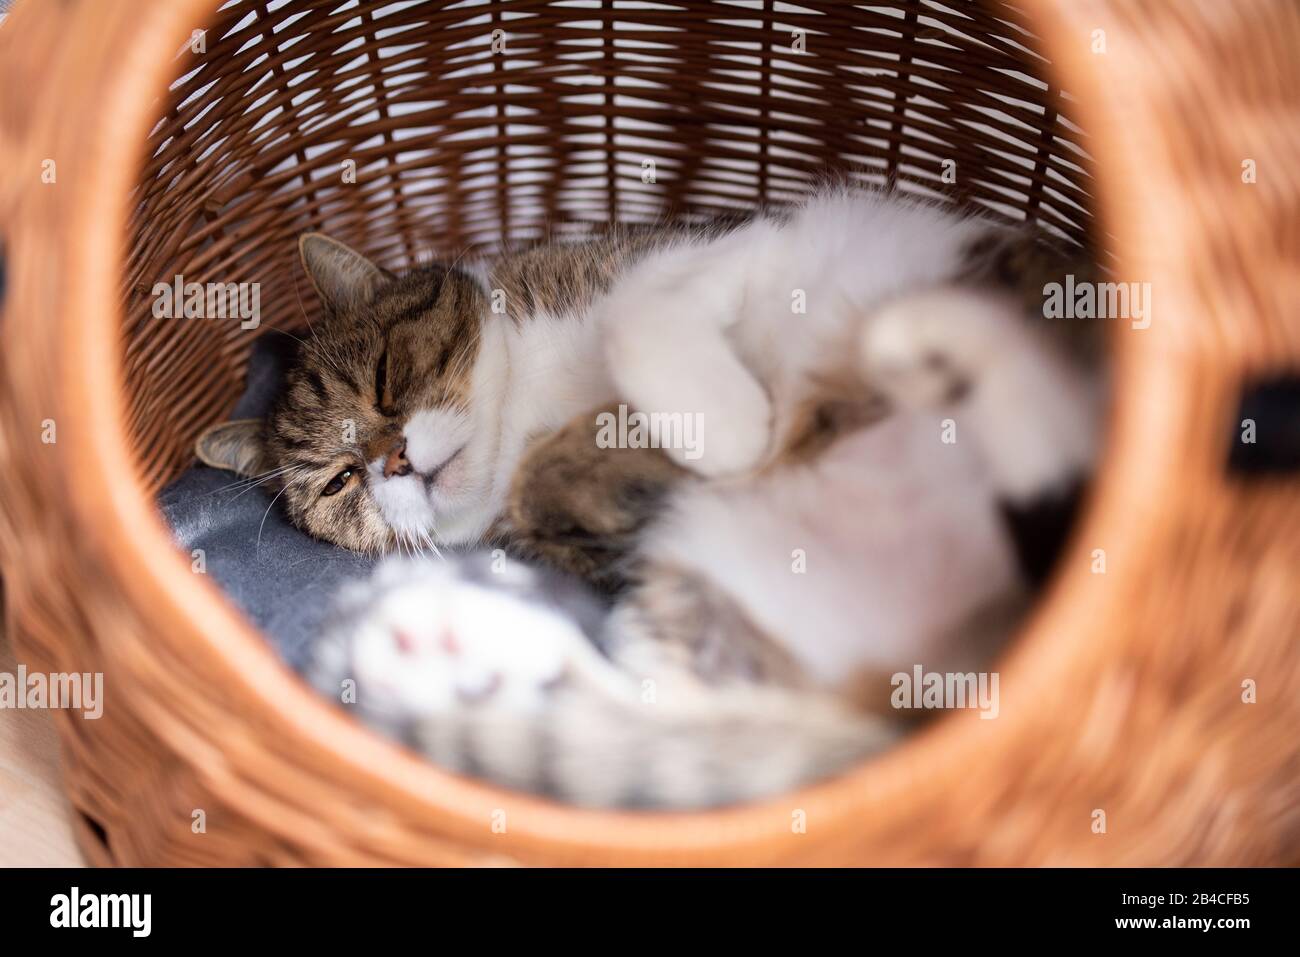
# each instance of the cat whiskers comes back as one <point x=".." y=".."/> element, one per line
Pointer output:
<point x="412" y="547"/>
<point x="428" y="539"/>
<point x="464" y="251"/>
<point x="268" y="512"/>
<point x="417" y="542"/>
<point x="255" y="480"/>
<point x="413" y="542"/>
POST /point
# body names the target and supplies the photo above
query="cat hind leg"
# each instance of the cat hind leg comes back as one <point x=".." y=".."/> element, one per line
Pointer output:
<point x="973" y="353"/>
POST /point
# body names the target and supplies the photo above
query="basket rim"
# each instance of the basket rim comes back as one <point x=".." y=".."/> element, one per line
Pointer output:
<point x="146" y="563"/>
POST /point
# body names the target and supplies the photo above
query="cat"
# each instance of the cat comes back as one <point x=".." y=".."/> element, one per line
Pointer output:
<point x="417" y="398"/>
<point x="722" y="675"/>
<point x="818" y="348"/>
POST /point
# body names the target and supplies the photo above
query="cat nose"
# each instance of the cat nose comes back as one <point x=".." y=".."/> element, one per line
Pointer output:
<point x="396" y="463"/>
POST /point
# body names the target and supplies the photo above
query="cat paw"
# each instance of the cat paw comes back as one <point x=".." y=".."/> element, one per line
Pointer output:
<point x="698" y="404"/>
<point x="425" y="641"/>
<point x="714" y="422"/>
<point x="931" y="349"/>
<point x="734" y="428"/>
<point x="1033" y="413"/>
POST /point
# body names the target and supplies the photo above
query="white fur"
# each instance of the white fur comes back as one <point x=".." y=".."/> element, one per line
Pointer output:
<point x="1034" y="414"/>
<point x="430" y="643"/>
<point x="898" y="528"/>
<point x="713" y="329"/>
<point x="701" y="327"/>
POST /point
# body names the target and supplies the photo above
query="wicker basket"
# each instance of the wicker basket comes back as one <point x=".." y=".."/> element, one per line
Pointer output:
<point x="1124" y="692"/>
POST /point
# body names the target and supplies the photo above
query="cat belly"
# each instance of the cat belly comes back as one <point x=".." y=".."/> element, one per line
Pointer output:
<point x="871" y="559"/>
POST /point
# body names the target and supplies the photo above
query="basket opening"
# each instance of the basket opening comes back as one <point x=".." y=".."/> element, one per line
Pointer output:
<point x="417" y="132"/>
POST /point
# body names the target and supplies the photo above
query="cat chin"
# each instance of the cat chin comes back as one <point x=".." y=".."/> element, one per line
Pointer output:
<point x="443" y="516"/>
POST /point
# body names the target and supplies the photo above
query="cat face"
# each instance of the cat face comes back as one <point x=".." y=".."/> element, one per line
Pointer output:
<point x="376" y="442"/>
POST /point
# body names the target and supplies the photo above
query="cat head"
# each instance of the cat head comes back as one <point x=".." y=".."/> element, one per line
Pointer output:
<point x="376" y="440"/>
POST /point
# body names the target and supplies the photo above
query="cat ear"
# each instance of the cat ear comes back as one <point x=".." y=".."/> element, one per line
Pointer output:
<point x="342" y="276"/>
<point x="236" y="446"/>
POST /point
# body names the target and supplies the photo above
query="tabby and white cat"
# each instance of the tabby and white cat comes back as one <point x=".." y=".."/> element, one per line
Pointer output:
<point x="824" y="537"/>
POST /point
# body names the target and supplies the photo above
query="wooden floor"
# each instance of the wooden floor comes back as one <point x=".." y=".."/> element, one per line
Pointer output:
<point x="34" y="830"/>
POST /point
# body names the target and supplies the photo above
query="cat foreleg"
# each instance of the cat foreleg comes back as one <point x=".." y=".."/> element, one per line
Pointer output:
<point x="669" y="353"/>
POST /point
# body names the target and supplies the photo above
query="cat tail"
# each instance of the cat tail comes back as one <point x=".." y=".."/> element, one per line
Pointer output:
<point x="714" y="746"/>
<point x="670" y="743"/>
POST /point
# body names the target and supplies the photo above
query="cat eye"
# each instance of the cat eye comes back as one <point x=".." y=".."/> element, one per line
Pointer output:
<point x="335" y="485"/>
